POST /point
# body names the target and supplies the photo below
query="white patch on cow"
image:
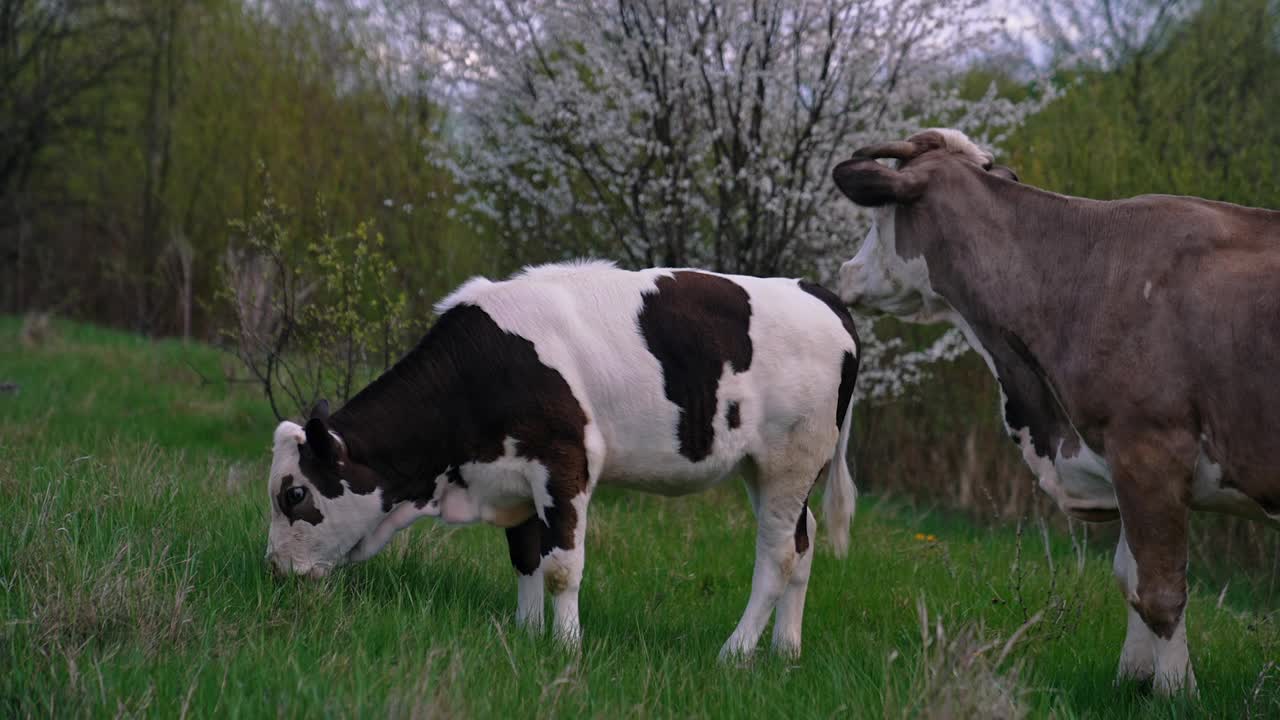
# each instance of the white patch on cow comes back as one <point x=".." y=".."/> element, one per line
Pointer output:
<point x="1084" y="482"/>
<point x="960" y="144"/>
<point x="878" y="278"/>
<point x="1137" y="659"/>
<point x="1173" y="671"/>
<point x="530" y="601"/>
<point x="1208" y="492"/>
<point x="1078" y="485"/>
<point x="401" y="516"/>
<point x="467" y="290"/>
<point x="1041" y="465"/>
<point x="503" y="492"/>
<point x="303" y="548"/>
<point x="1146" y="291"/>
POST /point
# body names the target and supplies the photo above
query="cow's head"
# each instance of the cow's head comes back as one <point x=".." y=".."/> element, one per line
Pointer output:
<point x="890" y="272"/>
<point x="322" y="502"/>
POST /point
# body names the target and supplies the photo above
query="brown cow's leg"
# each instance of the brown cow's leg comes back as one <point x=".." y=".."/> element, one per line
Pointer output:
<point x="524" y="541"/>
<point x="1138" y="658"/>
<point x="1152" y="473"/>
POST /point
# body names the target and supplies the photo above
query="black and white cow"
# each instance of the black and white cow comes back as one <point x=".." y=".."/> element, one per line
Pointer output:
<point x="1135" y="342"/>
<point x="528" y="392"/>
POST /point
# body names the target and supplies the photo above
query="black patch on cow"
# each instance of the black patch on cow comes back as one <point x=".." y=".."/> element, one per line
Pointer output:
<point x="832" y="301"/>
<point x="732" y="417"/>
<point x="693" y="324"/>
<point x="1030" y="401"/>
<point x="848" y="379"/>
<point x="1270" y="503"/>
<point x="455" y="477"/>
<point x="305" y="510"/>
<point x="524" y="542"/>
<point x="849" y="365"/>
<point x="802" y="529"/>
<point x="456" y="398"/>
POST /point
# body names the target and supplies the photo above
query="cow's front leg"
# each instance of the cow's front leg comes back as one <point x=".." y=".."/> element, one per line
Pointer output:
<point x="524" y="541"/>
<point x="1152" y="475"/>
<point x="564" y="555"/>
<point x="1137" y="659"/>
<point x="560" y="498"/>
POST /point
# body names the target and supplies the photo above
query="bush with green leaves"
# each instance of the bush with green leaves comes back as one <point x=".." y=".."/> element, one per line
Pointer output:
<point x="312" y="317"/>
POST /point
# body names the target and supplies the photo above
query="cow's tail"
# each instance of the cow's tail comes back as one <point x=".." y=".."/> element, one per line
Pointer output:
<point x="840" y="497"/>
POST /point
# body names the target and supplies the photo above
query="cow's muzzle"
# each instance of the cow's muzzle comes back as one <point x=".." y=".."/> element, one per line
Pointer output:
<point x="284" y="567"/>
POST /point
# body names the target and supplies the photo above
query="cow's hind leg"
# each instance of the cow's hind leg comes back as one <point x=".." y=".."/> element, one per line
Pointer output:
<point x="1152" y="474"/>
<point x="789" y="617"/>
<point x="779" y="497"/>
<point x="524" y="541"/>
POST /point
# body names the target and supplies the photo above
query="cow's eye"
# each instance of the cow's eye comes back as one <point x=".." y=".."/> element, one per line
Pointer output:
<point x="294" y="495"/>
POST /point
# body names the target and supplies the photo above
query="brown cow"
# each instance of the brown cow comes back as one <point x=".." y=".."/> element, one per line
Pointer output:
<point x="1135" y="343"/>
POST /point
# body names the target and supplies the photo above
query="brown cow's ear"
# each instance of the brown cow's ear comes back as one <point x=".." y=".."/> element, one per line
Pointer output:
<point x="319" y="442"/>
<point x="1005" y="172"/>
<point x="868" y="183"/>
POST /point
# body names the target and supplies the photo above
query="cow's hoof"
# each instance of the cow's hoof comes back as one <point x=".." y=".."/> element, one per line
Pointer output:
<point x="1134" y="672"/>
<point x="787" y="650"/>
<point x="532" y="625"/>
<point x="735" y="653"/>
<point x="569" y="638"/>
<point x="1171" y="684"/>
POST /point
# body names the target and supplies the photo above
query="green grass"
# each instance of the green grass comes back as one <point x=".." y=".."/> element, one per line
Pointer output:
<point x="133" y="522"/>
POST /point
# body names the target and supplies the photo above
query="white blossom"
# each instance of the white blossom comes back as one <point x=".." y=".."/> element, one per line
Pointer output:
<point x="700" y="132"/>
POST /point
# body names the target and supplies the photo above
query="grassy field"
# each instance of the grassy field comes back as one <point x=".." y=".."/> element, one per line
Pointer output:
<point x="133" y="523"/>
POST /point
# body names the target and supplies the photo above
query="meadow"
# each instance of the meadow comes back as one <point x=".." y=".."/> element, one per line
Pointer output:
<point x="133" y="525"/>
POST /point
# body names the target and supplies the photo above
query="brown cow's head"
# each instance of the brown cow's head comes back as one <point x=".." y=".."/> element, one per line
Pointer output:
<point x="889" y="274"/>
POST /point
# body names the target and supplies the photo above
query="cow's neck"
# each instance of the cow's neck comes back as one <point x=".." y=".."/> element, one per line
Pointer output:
<point x="400" y="426"/>
<point x="1012" y="273"/>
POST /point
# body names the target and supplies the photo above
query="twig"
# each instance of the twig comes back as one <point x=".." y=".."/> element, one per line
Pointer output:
<point x="1017" y="635"/>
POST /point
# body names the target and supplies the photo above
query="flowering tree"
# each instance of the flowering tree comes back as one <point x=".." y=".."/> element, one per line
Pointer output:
<point x="696" y="132"/>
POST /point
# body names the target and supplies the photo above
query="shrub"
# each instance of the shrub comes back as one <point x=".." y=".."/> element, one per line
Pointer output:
<point x="312" y="318"/>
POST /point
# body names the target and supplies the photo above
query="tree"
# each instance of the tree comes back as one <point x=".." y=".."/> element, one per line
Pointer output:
<point x="1194" y="116"/>
<point x="696" y="132"/>
<point x="51" y="55"/>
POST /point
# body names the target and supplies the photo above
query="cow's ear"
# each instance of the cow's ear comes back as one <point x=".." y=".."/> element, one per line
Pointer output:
<point x="319" y="442"/>
<point x="1004" y="171"/>
<point x="321" y="410"/>
<point x="868" y="183"/>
